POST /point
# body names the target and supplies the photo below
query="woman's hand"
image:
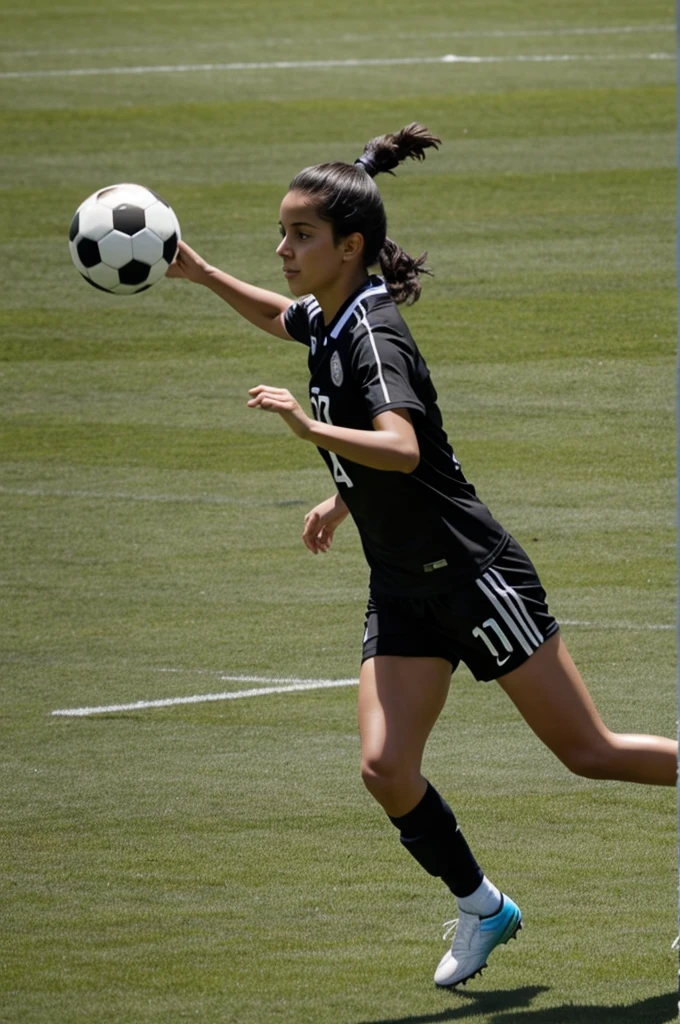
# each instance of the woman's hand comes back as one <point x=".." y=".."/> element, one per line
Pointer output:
<point x="189" y="265"/>
<point x="281" y="401"/>
<point x="322" y="522"/>
<point x="392" y="444"/>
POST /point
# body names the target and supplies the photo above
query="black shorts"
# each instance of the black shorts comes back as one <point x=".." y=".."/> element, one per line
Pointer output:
<point x="493" y="623"/>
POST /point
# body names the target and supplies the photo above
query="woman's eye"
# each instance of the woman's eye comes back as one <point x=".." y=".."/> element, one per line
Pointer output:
<point x="301" y="236"/>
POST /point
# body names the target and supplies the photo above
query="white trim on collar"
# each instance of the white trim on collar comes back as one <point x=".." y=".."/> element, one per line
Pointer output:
<point x="378" y="289"/>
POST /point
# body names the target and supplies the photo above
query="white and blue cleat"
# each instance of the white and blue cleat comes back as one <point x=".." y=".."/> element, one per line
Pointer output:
<point x="475" y="937"/>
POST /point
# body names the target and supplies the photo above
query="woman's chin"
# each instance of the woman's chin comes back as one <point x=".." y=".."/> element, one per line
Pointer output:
<point x="295" y="286"/>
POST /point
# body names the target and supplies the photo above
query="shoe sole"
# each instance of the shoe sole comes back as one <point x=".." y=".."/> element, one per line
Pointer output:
<point x="468" y="977"/>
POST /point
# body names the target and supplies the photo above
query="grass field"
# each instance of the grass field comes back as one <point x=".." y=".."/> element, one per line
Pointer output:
<point x="221" y="862"/>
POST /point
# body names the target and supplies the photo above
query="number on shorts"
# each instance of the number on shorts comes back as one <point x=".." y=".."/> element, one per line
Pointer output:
<point x="498" y="634"/>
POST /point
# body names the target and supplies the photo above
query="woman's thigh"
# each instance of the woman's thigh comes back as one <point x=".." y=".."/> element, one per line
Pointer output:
<point x="552" y="698"/>
<point x="400" y="700"/>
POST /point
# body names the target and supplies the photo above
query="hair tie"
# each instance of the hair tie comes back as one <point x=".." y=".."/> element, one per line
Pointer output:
<point x="369" y="165"/>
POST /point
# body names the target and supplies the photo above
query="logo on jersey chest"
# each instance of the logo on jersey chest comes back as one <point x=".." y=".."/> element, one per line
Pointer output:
<point x="313" y="345"/>
<point x="337" y="375"/>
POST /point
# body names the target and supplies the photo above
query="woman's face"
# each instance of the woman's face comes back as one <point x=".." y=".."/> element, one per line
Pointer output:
<point x="312" y="261"/>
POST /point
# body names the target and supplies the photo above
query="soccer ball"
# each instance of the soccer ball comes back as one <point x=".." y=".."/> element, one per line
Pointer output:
<point x="123" y="238"/>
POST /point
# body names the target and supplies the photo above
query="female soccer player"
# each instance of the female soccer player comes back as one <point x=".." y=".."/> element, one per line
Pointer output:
<point x="447" y="582"/>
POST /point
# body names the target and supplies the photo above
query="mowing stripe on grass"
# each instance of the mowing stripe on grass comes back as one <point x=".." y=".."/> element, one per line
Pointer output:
<point x="291" y="686"/>
<point x="316" y="65"/>
<point x="285" y="684"/>
<point x="528" y="33"/>
<point x="181" y="499"/>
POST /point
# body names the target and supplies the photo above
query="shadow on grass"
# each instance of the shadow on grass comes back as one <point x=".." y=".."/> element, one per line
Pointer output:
<point x="509" y="1008"/>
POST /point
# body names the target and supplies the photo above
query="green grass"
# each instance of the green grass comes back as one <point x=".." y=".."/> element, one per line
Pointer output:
<point x="221" y="862"/>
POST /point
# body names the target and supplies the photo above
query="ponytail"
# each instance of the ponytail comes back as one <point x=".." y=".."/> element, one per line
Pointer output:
<point x="380" y="155"/>
<point x="383" y="153"/>
<point x="345" y="195"/>
<point x="401" y="272"/>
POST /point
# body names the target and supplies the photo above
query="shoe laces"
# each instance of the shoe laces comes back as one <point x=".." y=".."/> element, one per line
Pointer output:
<point x="462" y="927"/>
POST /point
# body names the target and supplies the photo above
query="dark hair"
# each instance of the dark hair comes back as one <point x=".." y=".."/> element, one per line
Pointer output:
<point x="346" y="197"/>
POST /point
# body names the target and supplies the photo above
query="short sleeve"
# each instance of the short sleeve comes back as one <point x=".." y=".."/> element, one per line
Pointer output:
<point x="385" y="366"/>
<point x="296" y="320"/>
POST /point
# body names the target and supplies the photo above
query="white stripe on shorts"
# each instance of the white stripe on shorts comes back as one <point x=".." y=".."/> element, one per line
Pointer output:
<point x="514" y="596"/>
<point x="510" y="606"/>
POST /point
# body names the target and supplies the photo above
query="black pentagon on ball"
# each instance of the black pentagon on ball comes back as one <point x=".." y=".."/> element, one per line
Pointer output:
<point x="88" y="252"/>
<point x="134" y="272"/>
<point x="170" y="248"/>
<point x="128" y="219"/>
<point x="73" y="230"/>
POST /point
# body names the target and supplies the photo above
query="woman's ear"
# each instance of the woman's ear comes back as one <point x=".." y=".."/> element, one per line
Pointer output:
<point x="352" y="246"/>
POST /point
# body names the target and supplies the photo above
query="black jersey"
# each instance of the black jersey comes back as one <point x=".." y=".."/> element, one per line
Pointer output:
<point x="420" y="531"/>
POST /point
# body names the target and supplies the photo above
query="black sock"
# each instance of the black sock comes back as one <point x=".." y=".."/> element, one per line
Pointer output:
<point x="430" y="833"/>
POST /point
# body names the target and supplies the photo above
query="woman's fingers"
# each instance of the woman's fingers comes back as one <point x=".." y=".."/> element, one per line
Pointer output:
<point x="267" y="391"/>
<point x="187" y="264"/>
<point x="310" y="532"/>
<point x="262" y="393"/>
<point x="315" y="536"/>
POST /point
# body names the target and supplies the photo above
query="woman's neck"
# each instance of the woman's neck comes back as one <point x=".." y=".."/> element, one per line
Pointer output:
<point x="332" y="299"/>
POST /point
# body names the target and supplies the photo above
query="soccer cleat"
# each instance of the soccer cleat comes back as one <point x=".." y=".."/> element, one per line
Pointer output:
<point x="475" y="937"/>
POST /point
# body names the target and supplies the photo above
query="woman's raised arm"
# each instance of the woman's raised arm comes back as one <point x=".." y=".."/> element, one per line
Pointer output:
<point x="262" y="308"/>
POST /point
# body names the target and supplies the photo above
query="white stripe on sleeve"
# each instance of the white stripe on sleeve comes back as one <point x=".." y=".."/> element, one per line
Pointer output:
<point x="383" y="385"/>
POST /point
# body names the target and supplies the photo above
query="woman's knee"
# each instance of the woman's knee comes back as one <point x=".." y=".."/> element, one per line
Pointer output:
<point x="384" y="776"/>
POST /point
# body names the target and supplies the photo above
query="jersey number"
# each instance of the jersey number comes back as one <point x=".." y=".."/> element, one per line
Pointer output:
<point x="321" y="409"/>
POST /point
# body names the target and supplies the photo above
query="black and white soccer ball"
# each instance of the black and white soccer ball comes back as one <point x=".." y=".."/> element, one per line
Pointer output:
<point x="123" y="238"/>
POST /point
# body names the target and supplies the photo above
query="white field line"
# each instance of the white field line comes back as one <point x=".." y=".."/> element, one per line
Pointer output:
<point x="535" y="33"/>
<point x="291" y="686"/>
<point x="644" y="626"/>
<point x="349" y="37"/>
<point x="285" y="684"/>
<point x="324" y="65"/>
